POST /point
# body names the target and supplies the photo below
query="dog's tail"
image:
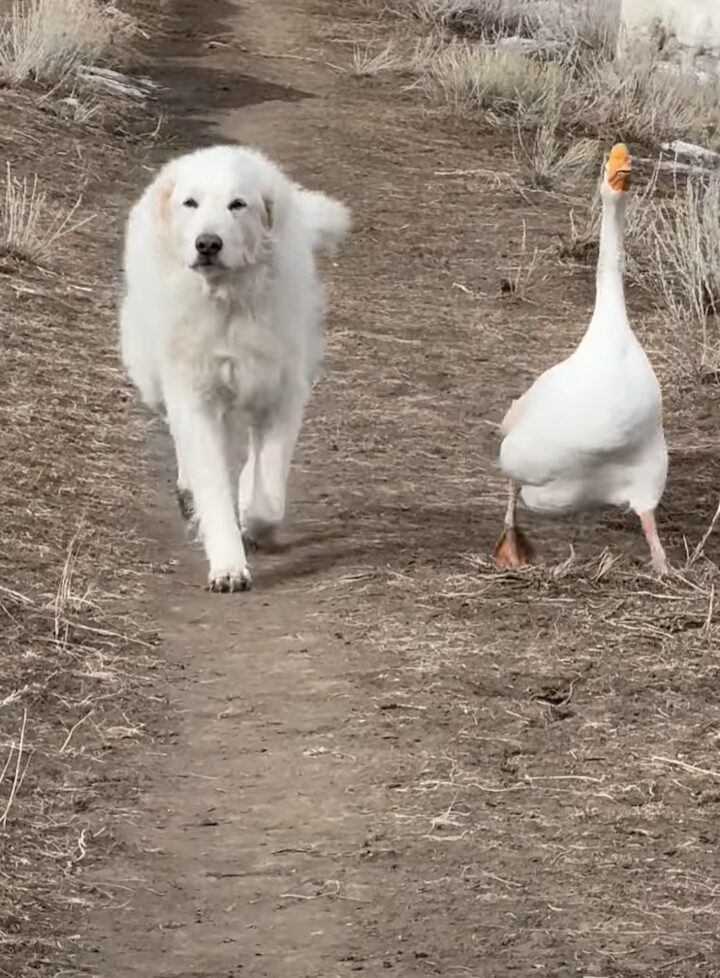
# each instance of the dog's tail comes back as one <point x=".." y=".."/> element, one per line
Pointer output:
<point x="326" y="218"/>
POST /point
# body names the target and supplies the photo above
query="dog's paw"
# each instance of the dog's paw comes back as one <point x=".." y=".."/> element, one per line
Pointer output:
<point x="186" y="503"/>
<point x="250" y="543"/>
<point x="228" y="581"/>
<point x="260" y="536"/>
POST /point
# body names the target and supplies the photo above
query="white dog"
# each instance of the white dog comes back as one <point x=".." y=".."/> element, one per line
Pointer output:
<point x="222" y="319"/>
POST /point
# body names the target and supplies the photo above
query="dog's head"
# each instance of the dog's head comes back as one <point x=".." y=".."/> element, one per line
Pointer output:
<point x="216" y="209"/>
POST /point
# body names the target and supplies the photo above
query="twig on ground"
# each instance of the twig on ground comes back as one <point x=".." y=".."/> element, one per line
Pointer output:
<point x="16" y="779"/>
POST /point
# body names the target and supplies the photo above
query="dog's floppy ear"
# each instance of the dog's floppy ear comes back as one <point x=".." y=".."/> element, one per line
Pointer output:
<point x="162" y="194"/>
<point x="275" y="199"/>
<point x="160" y="211"/>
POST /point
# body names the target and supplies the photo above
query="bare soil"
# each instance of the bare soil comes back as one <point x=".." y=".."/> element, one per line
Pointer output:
<point x="389" y="756"/>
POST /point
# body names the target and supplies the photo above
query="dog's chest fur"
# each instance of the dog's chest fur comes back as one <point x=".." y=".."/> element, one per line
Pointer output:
<point x="234" y="352"/>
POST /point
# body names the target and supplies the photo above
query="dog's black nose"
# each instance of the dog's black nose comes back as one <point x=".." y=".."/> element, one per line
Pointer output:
<point x="208" y="244"/>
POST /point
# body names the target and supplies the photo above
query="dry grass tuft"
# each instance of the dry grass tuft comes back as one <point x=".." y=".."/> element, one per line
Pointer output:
<point x="470" y="78"/>
<point x="682" y="239"/>
<point x="547" y="161"/>
<point x="592" y="29"/>
<point x="487" y="19"/>
<point x="46" y="40"/>
<point x="366" y="62"/>
<point x="30" y="227"/>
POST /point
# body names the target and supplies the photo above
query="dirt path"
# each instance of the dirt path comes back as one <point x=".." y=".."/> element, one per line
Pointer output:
<point x="383" y="758"/>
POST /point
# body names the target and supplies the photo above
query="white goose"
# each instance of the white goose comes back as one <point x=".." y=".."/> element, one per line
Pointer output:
<point x="589" y="430"/>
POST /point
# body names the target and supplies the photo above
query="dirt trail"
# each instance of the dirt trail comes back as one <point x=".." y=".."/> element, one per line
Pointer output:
<point x="352" y="775"/>
<point x="250" y="853"/>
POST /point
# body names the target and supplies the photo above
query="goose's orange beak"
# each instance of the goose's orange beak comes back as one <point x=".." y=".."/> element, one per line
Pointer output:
<point x="618" y="167"/>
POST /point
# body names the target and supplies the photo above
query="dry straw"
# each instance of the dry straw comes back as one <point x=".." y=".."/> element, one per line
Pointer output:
<point x="46" y="40"/>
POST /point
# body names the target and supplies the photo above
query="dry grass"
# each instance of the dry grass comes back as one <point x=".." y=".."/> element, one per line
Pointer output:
<point x="632" y="98"/>
<point x="548" y="161"/>
<point x="566" y="74"/>
<point x="470" y="78"/>
<point x="591" y="29"/>
<point x="682" y="243"/>
<point x="642" y="100"/>
<point x="73" y="656"/>
<point x="80" y="110"/>
<point x="584" y="24"/>
<point x="367" y="62"/>
<point x="47" y="40"/>
<point x="30" y="225"/>
<point x="522" y="275"/>
<point x="488" y="19"/>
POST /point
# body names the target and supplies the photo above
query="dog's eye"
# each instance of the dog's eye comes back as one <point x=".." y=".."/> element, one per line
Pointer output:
<point x="190" y="202"/>
<point x="237" y="204"/>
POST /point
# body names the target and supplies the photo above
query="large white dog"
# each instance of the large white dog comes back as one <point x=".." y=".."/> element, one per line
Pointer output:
<point x="222" y="321"/>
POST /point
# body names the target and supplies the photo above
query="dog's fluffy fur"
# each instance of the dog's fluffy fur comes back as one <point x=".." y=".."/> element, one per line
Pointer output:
<point x="222" y="317"/>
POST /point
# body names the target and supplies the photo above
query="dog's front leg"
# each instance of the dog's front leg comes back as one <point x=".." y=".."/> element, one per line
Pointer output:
<point x="263" y="482"/>
<point x="199" y="434"/>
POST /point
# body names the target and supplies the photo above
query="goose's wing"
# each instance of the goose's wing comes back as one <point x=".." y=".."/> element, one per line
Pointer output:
<point x="576" y="416"/>
<point x="538" y="433"/>
<point x="524" y="404"/>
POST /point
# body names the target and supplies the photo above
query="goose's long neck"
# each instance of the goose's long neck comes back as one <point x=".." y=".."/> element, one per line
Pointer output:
<point x="609" y="315"/>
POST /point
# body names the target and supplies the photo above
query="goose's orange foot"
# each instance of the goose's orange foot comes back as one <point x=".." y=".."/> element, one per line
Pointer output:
<point x="513" y="549"/>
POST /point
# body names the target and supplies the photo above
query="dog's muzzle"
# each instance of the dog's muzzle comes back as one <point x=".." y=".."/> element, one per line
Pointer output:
<point x="208" y="247"/>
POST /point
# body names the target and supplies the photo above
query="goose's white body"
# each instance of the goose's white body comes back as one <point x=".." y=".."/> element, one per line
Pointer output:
<point x="589" y="431"/>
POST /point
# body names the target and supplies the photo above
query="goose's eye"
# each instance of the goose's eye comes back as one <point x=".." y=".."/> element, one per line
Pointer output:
<point x="190" y="202"/>
<point x="237" y="204"/>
